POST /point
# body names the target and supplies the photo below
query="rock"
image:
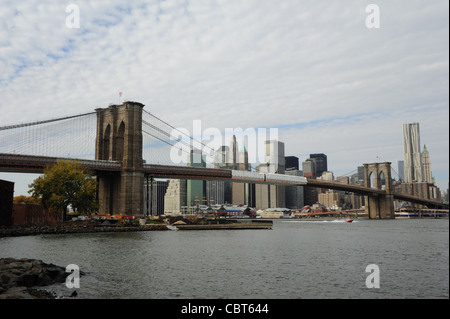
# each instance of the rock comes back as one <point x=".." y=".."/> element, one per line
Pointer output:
<point x="26" y="273"/>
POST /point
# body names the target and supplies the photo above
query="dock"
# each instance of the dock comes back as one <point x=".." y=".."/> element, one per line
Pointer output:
<point x="218" y="226"/>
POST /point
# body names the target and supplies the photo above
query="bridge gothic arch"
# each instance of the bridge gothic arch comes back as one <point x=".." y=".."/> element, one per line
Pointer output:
<point x="106" y="142"/>
<point x="119" y="142"/>
<point x="378" y="176"/>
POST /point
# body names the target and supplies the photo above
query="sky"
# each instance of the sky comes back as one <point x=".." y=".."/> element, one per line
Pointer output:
<point x="313" y="69"/>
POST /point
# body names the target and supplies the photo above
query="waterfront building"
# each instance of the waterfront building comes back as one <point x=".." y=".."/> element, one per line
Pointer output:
<point x="6" y="202"/>
<point x="329" y="199"/>
<point x="175" y="197"/>
<point x="294" y="194"/>
<point x="413" y="169"/>
<point x="215" y="192"/>
<point x="352" y="201"/>
<point x="155" y="190"/>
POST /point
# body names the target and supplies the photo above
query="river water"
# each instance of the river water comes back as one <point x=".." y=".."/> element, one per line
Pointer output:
<point x="296" y="259"/>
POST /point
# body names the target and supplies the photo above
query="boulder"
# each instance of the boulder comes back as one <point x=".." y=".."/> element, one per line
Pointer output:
<point x="27" y="273"/>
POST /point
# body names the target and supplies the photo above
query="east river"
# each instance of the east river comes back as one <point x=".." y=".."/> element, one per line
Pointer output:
<point x="296" y="259"/>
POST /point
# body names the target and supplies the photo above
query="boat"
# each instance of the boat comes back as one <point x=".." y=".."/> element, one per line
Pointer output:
<point x="171" y="227"/>
<point x="349" y="220"/>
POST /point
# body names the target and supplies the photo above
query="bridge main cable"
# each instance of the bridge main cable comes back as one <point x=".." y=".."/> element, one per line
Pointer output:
<point x="9" y="127"/>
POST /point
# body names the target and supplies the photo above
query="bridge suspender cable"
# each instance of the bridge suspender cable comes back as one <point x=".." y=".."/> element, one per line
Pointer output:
<point x="9" y="127"/>
<point x="174" y="128"/>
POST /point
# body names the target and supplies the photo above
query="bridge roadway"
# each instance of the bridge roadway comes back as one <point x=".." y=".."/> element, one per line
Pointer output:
<point x="36" y="164"/>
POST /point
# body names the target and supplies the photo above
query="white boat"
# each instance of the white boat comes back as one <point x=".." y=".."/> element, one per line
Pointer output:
<point x="171" y="227"/>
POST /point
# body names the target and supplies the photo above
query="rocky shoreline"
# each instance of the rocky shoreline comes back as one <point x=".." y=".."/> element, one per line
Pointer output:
<point x="76" y="228"/>
<point x="20" y="277"/>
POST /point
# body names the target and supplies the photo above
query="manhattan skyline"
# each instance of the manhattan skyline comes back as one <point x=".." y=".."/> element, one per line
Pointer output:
<point x="311" y="69"/>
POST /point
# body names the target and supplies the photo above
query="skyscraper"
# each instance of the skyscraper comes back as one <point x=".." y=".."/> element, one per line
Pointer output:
<point x="175" y="198"/>
<point x="271" y="196"/>
<point x="309" y="168"/>
<point x="426" y="166"/>
<point x="411" y="151"/>
<point x="401" y="170"/>
<point x="233" y="161"/>
<point x="291" y="162"/>
<point x="235" y="158"/>
<point x="321" y="163"/>
<point x="195" y="189"/>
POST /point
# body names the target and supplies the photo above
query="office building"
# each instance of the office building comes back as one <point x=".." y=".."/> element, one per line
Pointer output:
<point x="401" y="170"/>
<point x="175" y="198"/>
<point x="294" y="194"/>
<point x="271" y="196"/>
<point x="156" y="190"/>
<point x="291" y="162"/>
<point x="427" y="177"/>
<point x="235" y="158"/>
<point x="221" y="157"/>
<point x="309" y="168"/>
<point x="321" y="163"/>
<point x="330" y="200"/>
<point x="195" y="189"/>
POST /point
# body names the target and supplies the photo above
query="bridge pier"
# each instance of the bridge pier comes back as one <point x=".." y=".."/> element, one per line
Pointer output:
<point x="378" y="176"/>
<point x="119" y="138"/>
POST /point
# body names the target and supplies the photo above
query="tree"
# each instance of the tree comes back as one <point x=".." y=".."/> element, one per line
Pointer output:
<point x="29" y="200"/>
<point x="66" y="184"/>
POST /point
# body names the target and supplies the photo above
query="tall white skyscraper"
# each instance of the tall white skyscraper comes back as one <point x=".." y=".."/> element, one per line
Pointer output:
<point x="412" y="156"/>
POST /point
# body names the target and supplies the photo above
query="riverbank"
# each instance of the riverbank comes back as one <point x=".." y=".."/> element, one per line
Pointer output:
<point x="20" y="277"/>
<point x="74" y="228"/>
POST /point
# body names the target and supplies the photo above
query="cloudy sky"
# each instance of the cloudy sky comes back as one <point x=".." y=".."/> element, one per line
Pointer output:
<point x="312" y="69"/>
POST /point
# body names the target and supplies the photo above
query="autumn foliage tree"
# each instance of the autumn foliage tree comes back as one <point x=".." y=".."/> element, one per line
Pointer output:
<point x="29" y="200"/>
<point x="66" y="184"/>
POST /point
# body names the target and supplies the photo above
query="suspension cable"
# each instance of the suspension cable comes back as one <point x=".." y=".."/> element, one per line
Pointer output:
<point x="8" y="127"/>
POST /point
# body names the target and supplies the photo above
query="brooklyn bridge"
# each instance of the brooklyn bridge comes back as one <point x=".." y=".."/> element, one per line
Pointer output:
<point x="112" y="142"/>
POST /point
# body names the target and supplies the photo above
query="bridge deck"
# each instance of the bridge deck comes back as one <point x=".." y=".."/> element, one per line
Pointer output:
<point x="36" y="164"/>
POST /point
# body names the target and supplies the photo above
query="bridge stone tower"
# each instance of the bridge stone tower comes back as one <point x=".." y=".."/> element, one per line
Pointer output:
<point x="378" y="175"/>
<point x="119" y="138"/>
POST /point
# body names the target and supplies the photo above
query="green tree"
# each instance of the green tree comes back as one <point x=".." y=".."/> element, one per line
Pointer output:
<point x="66" y="184"/>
